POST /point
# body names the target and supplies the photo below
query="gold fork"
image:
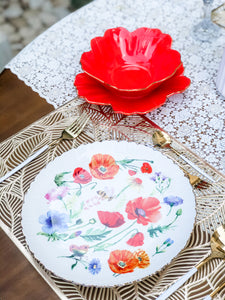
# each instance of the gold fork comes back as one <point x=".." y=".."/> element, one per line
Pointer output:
<point x="73" y="130"/>
<point x="196" y="181"/>
<point x="69" y="133"/>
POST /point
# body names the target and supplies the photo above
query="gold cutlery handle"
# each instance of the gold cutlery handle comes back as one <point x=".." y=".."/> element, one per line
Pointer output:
<point x="217" y="290"/>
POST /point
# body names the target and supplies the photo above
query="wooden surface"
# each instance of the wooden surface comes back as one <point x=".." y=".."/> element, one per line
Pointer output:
<point x="19" y="107"/>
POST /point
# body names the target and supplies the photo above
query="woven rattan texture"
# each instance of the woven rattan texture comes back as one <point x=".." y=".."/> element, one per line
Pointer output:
<point x="210" y="204"/>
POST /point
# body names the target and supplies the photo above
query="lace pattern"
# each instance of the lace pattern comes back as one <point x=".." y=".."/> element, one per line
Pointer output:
<point x="196" y="118"/>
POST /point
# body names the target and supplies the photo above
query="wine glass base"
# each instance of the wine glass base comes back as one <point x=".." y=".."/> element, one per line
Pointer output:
<point x="206" y="31"/>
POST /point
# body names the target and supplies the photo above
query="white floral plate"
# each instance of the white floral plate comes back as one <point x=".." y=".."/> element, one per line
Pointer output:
<point x="108" y="213"/>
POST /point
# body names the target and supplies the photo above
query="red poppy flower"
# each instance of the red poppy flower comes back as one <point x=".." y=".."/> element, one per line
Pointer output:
<point x="145" y="210"/>
<point x="146" y="168"/>
<point x="81" y="176"/>
<point x="143" y="259"/>
<point x="122" y="261"/>
<point x="136" y="240"/>
<point x="111" y="219"/>
<point x="103" y="166"/>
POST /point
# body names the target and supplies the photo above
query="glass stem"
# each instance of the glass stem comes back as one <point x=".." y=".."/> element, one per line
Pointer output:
<point x="207" y="10"/>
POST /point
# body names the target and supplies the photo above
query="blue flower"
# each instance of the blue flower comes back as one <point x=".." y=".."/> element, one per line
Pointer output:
<point x="54" y="221"/>
<point x="173" y="200"/>
<point x="153" y="178"/>
<point x="94" y="266"/>
<point x="168" y="242"/>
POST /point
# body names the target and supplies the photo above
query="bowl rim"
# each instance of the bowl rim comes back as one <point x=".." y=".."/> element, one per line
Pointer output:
<point x="137" y="89"/>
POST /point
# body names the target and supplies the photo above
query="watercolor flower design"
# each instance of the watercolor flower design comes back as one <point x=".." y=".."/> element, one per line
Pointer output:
<point x="122" y="261"/>
<point x="111" y="219"/>
<point x="94" y="266"/>
<point x="155" y="231"/>
<point x="136" y="240"/>
<point x="162" y="182"/>
<point x="162" y="248"/>
<point x="172" y="201"/>
<point x="143" y="259"/>
<point x="78" y="254"/>
<point x="125" y="261"/>
<point x="54" y="222"/>
<point x="123" y="218"/>
<point x="57" y="194"/>
<point x="103" y="166"/>
<point x="144" y="210"/>
<point x="79" y="251"/>
<point x="81" y="176"/>
<point x="146" y="168"/>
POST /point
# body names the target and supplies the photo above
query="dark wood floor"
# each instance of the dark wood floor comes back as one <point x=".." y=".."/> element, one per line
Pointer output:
<point x="19" y="107"/>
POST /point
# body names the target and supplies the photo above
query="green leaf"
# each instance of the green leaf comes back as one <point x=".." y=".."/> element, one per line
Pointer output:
<point x="153" y="232"/>
<point x="128" y="161"/>
<point x="78" y="193"/>
<point x="161" y="251"/>
<point x="43" y="233"/>
<point x="79" y="221"/>
<point x="51" y="237"/>
<point x="62" y="236"/>
<point x="73" y="265"/>
<point x="125" y="162"/>
<point x="59" y="178"/>
<point x="102" y="247"/>
<point x="95" y="235"/>
<point x="179" y="212"/>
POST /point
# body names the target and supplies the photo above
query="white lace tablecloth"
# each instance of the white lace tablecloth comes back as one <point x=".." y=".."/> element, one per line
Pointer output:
<point x="196" y="118"/>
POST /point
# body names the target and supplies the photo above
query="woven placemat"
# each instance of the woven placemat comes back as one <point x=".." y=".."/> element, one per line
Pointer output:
<point x="105" y="125"/>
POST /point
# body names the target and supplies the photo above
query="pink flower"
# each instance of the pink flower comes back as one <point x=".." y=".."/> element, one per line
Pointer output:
<point x="131" y="172"/>
<point x="79" y="250"/>
<point x="137" y="181"/>
<point x="136" y="240"/>
<point x="57" y="194"/>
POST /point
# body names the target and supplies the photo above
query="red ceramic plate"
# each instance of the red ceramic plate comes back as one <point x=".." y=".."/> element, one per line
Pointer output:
<point x="131" y="62"/>
<point x="96" y="93"/>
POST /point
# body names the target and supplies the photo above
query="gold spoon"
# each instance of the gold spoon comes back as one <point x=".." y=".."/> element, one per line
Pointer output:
<point x="217" y="251"/>
<point x="163" y="140"/>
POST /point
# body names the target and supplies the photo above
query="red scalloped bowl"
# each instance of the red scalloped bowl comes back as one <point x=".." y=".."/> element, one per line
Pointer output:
<point x="134" y="72"/>
<point x="131" y="63"/>
<point x="94" y="92"/>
